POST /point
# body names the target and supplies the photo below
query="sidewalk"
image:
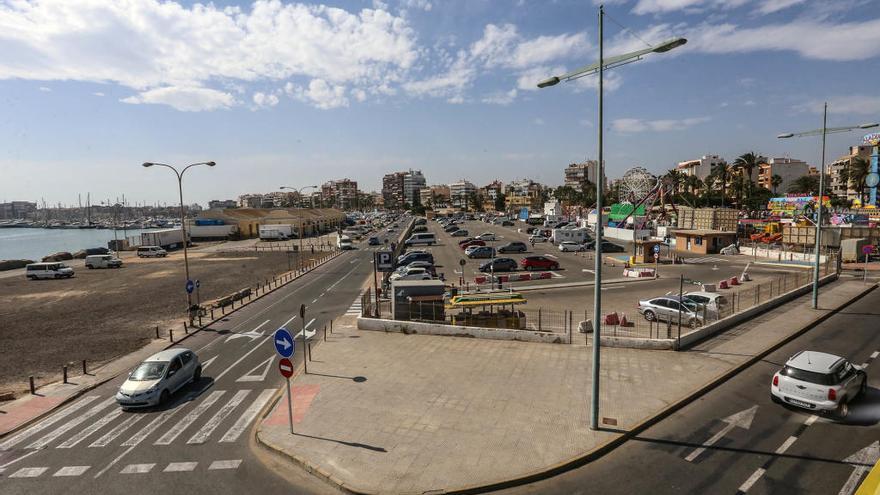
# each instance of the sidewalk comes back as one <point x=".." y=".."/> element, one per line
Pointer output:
<point x="395" y="413"/>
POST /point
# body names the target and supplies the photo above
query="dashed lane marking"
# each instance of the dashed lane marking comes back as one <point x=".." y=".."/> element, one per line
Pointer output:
<point x="138" y="468"/>
<point x="71" y="471"/>
<point x="31" y="472"/>
<point x="231" y="464"/>
<point x="180" y="467"/>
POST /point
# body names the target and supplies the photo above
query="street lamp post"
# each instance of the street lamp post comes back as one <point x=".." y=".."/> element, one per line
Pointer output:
<point x="599" y="69"/>
<point x="301" y="223"/>
<point x="824" y="131"/>
<point x="182" y="216"/>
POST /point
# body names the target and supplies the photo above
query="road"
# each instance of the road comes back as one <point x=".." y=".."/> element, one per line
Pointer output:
<point x="200" y="441"/>
<point x="769" y="449"/>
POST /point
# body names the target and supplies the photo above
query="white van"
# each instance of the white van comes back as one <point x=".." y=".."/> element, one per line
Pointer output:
<point x="343" y="242"/>
<point x="151" y="252"/>
<point x="103" y="261"/>
<point x="421" y="238"/>
<point x="55" y="269"/>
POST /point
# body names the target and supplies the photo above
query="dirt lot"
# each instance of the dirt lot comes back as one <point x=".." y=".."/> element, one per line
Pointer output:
<point x="101" y="314"/>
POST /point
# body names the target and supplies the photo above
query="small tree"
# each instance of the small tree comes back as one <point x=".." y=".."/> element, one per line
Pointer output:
<point x="500" y="203"/>
<point x="775" y="182"/>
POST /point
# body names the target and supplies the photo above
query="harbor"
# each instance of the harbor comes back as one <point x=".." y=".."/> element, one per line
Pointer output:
<point x="35" y="243"/>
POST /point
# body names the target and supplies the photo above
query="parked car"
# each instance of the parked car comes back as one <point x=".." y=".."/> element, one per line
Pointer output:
<point x="151" y="252"/>
<point x="52" y="269"/>
<point x="419" y="229"/>
<point x="154" y="381"/>
<point x="717" y="306"/>
<point x="607" y="247"/>
<point x="513" y="247"/>
<point x="499" y="265"/>
<point x="474" y="242"/>
<point x="415" y="273"/>
<point x="451" y="228"/>
<point x="571" y="246"/>
<point x="460" y="233"/>
<point x="103" y="261"/>
<point x="374" y="241"/>
<point x="668" y="309"/>
<point x="465" y="241"/>
<point x="421" y="238"/>
<point x="408" y="258"/>
<point x="480" y="252"/>
<point x="818" y="381"/>
<point x="539" y="263"/>
<point x="486" y="236"/>
<point x="536" y="238"/>
<point x="96" y="250"/>
<point x="427" y="265"/>
<point x="506" y="223"/>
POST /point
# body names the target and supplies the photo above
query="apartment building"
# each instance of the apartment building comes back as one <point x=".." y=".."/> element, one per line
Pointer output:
<point x="461" y="193"/>
<point x="342" y="193"/>
<point x="838" y="169"/>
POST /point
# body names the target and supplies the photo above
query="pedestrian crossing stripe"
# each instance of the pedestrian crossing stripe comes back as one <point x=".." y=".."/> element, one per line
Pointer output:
<point x="703" y="259"/>
<point x="141" y="468"/>
<point x="356" y="308"/>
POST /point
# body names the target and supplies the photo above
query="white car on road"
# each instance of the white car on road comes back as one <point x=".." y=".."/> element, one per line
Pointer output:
<point x="571" y="246"/>
<point x="486" y="236"/>
<point x="537" y="238"/>
<point x="158" y="377"/>
<point x="820" y="382"/>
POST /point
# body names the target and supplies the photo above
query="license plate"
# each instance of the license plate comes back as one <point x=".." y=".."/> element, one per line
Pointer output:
<point x="799" y="403"/>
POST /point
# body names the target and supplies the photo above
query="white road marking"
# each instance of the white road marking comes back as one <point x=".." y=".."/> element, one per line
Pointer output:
<point x="742" y="419"/>
<point x="73" y="423"/>
<point x="31" y="472"/>
<point x="314" y="300"/>
<point x="189" y="419"/>
<point x="42" y="425"/>
<point x="341" y="279"/>
<point x="306" y="328"/>
<point x="587" y="270"/>
<point x="786" y="444"/>
<point x="150" y="428"/>
<point x="97" y="425"/>
<point x="116" y="431"/>
<point x="752" y="479"/>
<point x="3" y="467"/>
<point x="284" y="325"/>
<point x="71" y="471"/>
<point x="233" y="464"/>
<point x="137" y="468"/>
<point x="249" y="414"/>
<point x="252" y="376"/>
<point x="861" y="462"/>
<point x="812" y="419"/>
<point x="556" y="275"/>
<point x="177" y="467"/>
<point x="251" y="334"/>
<point x="875" y="354"/>
<point x="208" y="363"/>
<point x="114" y="461"/>
<point x="202" y="435"/>
<point x="242" y="358"/>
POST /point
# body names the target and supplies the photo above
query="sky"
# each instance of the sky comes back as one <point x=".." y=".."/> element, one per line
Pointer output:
<point x="295" y="94"/>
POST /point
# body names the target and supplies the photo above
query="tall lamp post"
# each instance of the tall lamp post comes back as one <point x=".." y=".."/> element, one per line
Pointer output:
<point x="599" y="68"/>
<point x="301" y="223"/>
<point x="824" y="131"/>
<point x="182" y="216"/>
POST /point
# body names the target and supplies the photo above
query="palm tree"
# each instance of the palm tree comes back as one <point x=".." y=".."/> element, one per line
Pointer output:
<point x="746" y="163"/>
<point x="721" y="172"/>
<point x="775" y="182"/>
<point x="676" y="179"/>
<point x="856" y="173"/>
<point x="806" y="184"/>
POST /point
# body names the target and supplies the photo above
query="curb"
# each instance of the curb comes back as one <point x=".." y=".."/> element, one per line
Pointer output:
<point x="600" y="450"/>
<point x="93" y="386"/>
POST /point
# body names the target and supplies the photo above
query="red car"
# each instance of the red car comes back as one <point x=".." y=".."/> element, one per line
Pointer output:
<point x="475" y="242"/>
<point x="465" y="241"/>
<point x="539" y="263"/>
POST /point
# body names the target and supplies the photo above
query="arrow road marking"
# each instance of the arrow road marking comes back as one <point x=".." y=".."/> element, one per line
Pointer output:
<point x="742" y="419"/>
<point x="252" y="334"/>
<point x="862" y="461"/>
<point x="253" y="376"/>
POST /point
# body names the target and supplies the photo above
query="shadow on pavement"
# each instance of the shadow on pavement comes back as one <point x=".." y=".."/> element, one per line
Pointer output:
<point x="343" y="442"/>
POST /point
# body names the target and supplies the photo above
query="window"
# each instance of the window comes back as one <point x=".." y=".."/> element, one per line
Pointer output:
<point x="175" y="366"/>
<point x="663" y="303"/>
<point x="808" y="376"/>
<point x="186" y="357"/>
<point x="698" y="241"/>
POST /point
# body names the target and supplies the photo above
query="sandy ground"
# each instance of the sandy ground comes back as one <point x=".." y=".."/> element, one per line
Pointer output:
<point x="102" y="314"/>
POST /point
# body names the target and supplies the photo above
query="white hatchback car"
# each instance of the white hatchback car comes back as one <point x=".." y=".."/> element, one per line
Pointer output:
<point x="571" y="246"/>
<point x="159" y="376"/>
<point x="820" y="382"/>
<point x="486" y="236"/>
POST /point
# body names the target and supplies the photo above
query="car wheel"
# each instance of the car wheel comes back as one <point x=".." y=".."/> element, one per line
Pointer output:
<point x="163" y="397"/>
<point x="775" y="399"/>
<point x="693" y="323"/>
<point x="842" y="410"/>
<point x="650" y="316"/>
<point x="197" y="375"/>
<point x="556" y="267"/>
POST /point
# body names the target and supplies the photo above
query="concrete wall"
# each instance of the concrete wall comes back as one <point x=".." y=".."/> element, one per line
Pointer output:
<point x="690" y="338"/>
<point x="414" y="327"/>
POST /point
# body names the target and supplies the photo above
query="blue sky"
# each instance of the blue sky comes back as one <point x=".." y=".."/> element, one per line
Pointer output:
<point x="286" y="93"/>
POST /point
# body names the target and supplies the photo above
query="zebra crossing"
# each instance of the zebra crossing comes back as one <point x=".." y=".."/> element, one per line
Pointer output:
<point x="78" y="423"/>
<point x="141" y="468"/>
<point x="356" y="308"/>
<point x="703" y="259"/>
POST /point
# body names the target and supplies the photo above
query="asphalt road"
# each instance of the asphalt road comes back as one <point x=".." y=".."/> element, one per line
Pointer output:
<point x="779" y="451"/>
<point x="199" y="442"/>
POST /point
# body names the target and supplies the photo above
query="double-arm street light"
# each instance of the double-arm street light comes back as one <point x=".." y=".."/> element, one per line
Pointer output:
<point x="825" y="130"/>
<point x="182" y="216"/>
<point x="599" y="68"/>
<point x="301" y="223"/>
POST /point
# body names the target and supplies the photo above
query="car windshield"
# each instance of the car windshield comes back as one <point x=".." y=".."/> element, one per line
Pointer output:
<point x="152" y="370"/>
<point x="808" y="376"/>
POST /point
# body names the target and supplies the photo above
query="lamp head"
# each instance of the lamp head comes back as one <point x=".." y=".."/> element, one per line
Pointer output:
<point x="669" y="45"/>
<point x="786" y="135"/>
<point x="147" y="164"/>
<point x="549" y="82"/>
<point x="210" y="164"/>
<point x="868" y="125"/>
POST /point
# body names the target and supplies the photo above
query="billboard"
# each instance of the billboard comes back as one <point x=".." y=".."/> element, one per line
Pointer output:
<point x="795" y="204"/>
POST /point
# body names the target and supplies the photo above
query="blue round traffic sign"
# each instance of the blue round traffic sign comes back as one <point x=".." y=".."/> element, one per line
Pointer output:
<point x="190" y="286"/>
<point x="657" y="248"/>
<point x="284" y="343"/>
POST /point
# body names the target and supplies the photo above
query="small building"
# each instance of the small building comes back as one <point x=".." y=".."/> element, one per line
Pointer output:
<point x="644" y="251"/>
<point x="698" y="241"/>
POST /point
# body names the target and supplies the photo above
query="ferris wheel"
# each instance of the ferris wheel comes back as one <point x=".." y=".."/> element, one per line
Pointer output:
<point x="636" y="184"/>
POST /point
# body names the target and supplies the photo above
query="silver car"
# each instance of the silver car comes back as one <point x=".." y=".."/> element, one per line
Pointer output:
<point x="669" y="308"/>
<point x="818" y="381"/>
<point x="153" y="381"/>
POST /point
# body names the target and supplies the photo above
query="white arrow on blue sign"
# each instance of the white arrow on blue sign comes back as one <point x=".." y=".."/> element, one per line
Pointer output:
<point x="284" y="343"/>
<point x="190" y="286"/>
<point x="657" y="248"/>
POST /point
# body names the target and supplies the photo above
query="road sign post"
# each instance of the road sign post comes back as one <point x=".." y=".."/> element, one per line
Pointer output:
<point x="867" y="250"/>
<point x="302" y="319"/>
<point x="198" y="296"/>
<point x="286" y="369"/>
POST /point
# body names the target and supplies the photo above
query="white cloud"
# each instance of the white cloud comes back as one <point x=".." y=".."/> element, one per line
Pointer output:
<point x="417" y="4"/>
<point x="723" y="104"/>
<point x="98" y="93"/>
<point x="359" y="94"/>
<point x="186" y="99"/>
<point x="321" y="94"/>
<point x="45" y="89"/>
<point x="503" y="46"/>
<point x="149" y="45"/>
<point x="265" y="99"/>
<point x="663" y="125"/>
<point x="771" y="6"/>
<point x="528" y="79"/>
<point x="501" y="97"/>
<point x="845" y="104"/>
<point x="538" y="121"/>
<point x="689" y="6"/>
<point x="749" y="103"/>
<point x="450" y="82"/>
